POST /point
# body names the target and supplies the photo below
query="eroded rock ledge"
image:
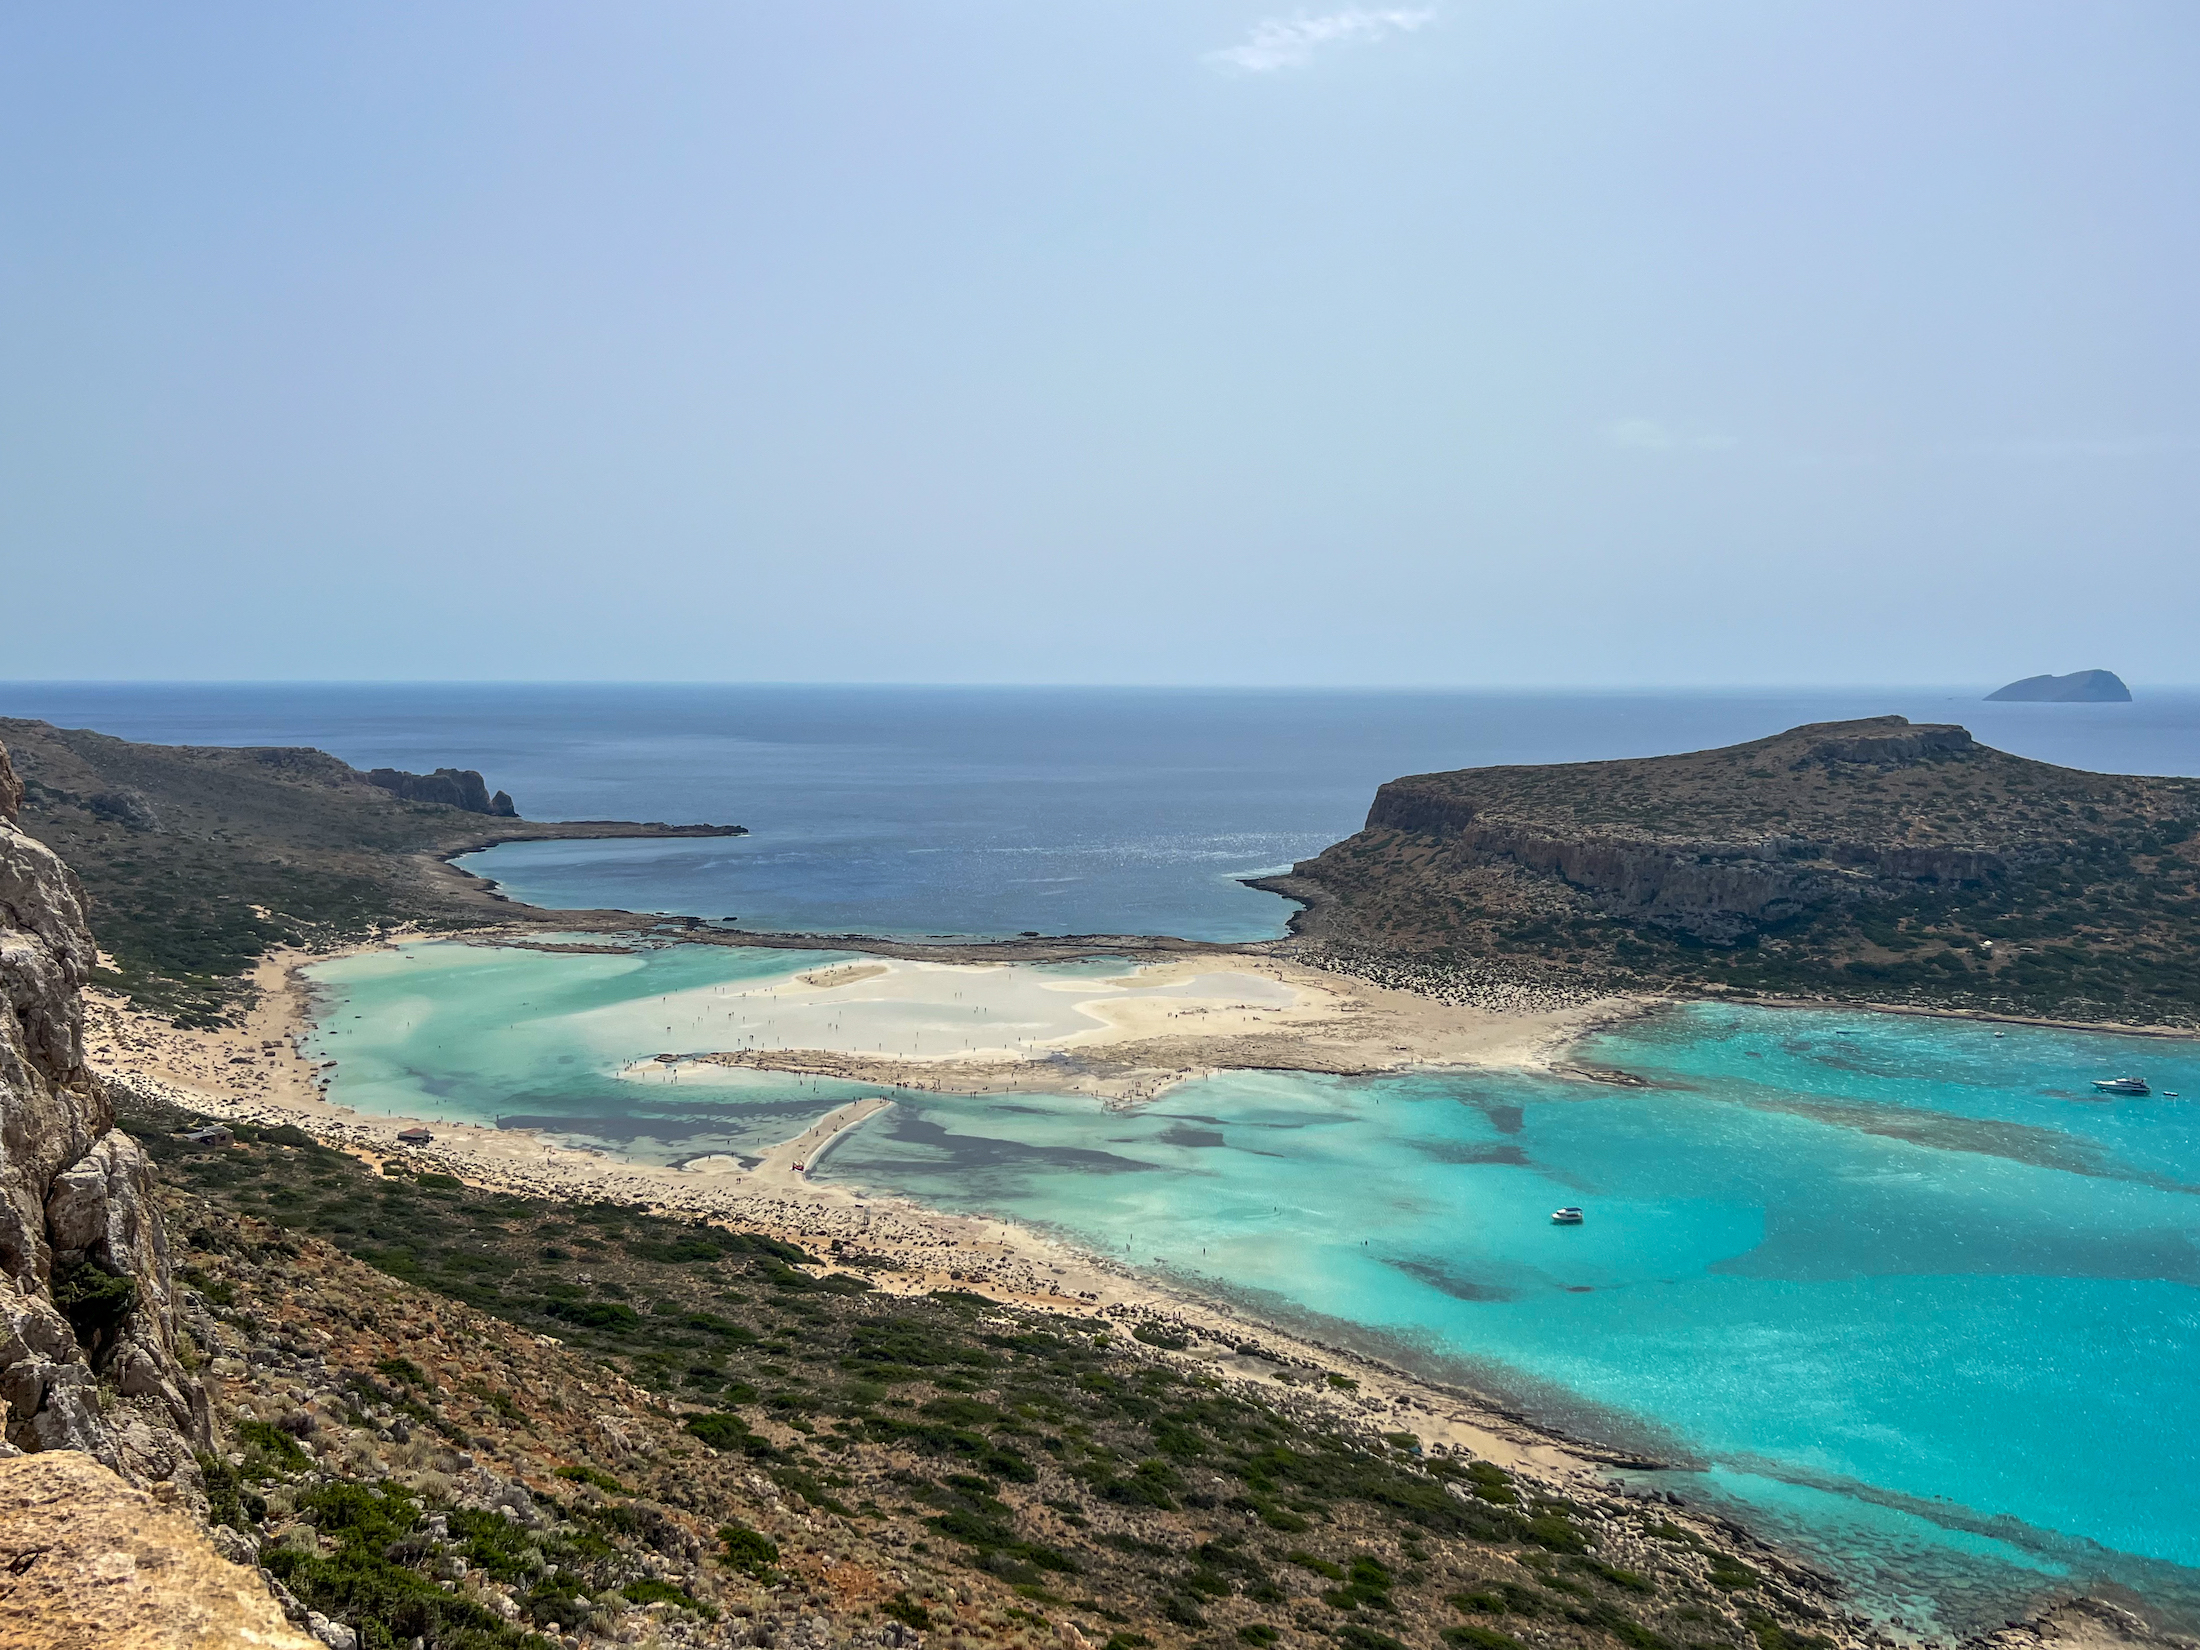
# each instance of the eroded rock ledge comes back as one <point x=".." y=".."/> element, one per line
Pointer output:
<point x="86" y="1300"/>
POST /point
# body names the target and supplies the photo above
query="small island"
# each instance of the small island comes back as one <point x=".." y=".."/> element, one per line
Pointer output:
<point x="2080" y="687"/>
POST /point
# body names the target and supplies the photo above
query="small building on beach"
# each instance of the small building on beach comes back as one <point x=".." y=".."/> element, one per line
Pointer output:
<point x="414" y="1137"/>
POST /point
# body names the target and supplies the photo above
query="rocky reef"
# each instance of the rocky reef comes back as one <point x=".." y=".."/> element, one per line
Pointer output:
<point x="461" y="788"/>
<point x="87" y="1327"/>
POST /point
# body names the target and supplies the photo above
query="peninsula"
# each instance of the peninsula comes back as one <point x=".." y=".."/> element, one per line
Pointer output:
<point x="1874" y="861"/>
<point x="198" y="859"/>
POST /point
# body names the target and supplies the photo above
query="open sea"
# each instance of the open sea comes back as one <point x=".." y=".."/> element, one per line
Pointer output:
<point x="1902" y="1293"/>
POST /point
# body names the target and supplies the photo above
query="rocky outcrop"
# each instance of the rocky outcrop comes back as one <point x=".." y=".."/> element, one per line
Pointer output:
<point x="1712" y="887"/>
<point x="461" y="788"/>
<point x="90" y="1561"/>
<point x="1878" y="859"/>
<point x="2080" y="687"/>
<point x="86" y="1299"/>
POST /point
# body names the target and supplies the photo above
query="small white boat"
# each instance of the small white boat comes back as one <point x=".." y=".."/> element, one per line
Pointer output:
<point x="2122" y="1085"/>
<point x="1565" y="1217"/>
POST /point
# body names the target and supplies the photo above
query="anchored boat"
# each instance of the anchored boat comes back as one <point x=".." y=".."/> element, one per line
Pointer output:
<point x="2122" y="1085"/>
<point x="1565" y="1217"/>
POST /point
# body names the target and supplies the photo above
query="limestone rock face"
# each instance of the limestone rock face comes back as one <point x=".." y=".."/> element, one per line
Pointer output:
<point x="91" y="1561"/>
<point x="452" y="787"/>
<point x="86" y="1290"/>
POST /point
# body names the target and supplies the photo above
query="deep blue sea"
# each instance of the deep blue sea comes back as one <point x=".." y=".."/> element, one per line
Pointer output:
<point x="1902" y="1292"/>
<point x="987" y="811"/>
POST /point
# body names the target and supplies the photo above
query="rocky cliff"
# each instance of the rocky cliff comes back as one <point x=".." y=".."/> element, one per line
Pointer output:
<point x="461" y="788"/>
<point x="1878" y="858"/>
<point x="87" y="1328"/>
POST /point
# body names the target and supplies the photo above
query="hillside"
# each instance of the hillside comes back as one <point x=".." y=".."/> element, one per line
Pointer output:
<point x="479" y="1420"/>
<point x="1873" y="860"/>
<point x="196" y="860"/>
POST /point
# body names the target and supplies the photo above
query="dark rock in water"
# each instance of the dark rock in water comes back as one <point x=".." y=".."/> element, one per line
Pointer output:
<point x="2080" y="687"/>
<point x="453" y="787"/>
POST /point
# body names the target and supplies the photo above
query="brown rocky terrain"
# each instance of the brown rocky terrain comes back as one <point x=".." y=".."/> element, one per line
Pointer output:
<point x="1876" y="861"/>
<point x="93" y="1564"/>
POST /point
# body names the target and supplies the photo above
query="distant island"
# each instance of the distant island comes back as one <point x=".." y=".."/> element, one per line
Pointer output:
<point x="2080" y="687"/>
<point x="1875" y="861"/>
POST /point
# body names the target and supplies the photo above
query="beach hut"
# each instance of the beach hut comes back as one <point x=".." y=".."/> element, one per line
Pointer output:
<point x="413" y="1137"/>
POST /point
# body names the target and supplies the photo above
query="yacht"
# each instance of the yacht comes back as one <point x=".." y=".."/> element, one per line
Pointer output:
<point x="1565" y="1217"/>
<point x="2122" y="1085"/>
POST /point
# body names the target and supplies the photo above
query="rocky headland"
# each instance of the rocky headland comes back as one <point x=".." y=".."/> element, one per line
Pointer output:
<point x="1874" y="861"/>
<point x="197" y="860"/>
<point x="461" y="788"/>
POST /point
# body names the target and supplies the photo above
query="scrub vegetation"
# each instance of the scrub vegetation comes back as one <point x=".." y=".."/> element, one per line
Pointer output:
<point x="728" y="1433"/>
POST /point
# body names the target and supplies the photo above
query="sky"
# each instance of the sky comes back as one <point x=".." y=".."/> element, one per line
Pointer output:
<point x="1480" y="342"/>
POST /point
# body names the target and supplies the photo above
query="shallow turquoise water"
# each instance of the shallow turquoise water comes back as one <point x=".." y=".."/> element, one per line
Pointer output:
<point x="532" y="1039"/>
<point x="1899" y="1287"/>
<point x="1903" y="1290"/>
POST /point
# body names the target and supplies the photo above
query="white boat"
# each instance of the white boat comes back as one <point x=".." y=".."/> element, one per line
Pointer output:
<point x="1565" y="1217"/>
<point x="2122" y="1085"/>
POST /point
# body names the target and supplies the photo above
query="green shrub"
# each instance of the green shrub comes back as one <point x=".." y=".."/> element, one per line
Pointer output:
<point x="93" y="1299"/>
<point x="748" y="1551"/>
<point x="1558" y="1534"/>
<point x="726" y="1432"/>
<point x="272" y="1447"/>
<point x="906" y="1610"/>
<point x="1366" y="1638"/>
<point x="593" y="1314"/>
<point x="589" y="1475"/>
<point x="1481" y="1638"/>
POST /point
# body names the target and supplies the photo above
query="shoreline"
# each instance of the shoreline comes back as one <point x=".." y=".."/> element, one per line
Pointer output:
<point x="257" y="1073"/>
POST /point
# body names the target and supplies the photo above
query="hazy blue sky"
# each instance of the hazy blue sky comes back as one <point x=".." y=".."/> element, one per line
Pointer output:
<point x="1555" y="341"/>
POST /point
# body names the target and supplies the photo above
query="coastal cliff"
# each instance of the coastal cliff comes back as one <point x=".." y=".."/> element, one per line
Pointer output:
<point x="89" y="1300"/>
<point x="461" y="788"/>
<point x="1877" y="859"/>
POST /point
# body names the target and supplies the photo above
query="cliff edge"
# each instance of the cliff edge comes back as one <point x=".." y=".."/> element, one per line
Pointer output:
<point x="86" y="1301"/>
<point x="93" y="1562"/>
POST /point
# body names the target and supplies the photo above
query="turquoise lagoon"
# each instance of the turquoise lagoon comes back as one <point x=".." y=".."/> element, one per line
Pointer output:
<point x="1900" y="1291"/>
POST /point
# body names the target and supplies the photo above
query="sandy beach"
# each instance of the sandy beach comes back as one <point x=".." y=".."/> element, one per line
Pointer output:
<point x="255" y="1073"/>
